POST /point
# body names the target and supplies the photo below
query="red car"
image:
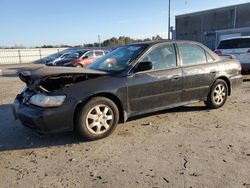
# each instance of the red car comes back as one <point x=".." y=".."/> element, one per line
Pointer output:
<point x="87" y="58"/>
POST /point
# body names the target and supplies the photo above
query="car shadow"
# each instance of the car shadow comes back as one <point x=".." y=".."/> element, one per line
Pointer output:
<point x="172" y="110"/>
<point x="14" y="136"/>
<point x="9" y="75"/>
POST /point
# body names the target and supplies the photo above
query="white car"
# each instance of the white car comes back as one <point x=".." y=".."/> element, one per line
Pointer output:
<point x="238" y="47"/>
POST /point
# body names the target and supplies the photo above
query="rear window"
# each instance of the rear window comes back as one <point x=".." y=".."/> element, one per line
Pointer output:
<point x="191" y="54"/>
<point x="235" y="43"/>
<point x="98" y="53"/>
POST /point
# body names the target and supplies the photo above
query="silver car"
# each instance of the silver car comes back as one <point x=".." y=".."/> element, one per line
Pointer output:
<point x="237" y="47"/>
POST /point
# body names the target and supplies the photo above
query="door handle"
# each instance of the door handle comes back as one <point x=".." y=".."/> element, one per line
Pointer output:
<point x="176" y="77"/>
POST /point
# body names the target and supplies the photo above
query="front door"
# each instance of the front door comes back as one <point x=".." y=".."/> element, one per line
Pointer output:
<point x="159" y="87"/>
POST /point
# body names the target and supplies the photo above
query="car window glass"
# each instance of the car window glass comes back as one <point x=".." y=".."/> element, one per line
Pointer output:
<point x="64" y="55"/>
<point x="234" y="43"/>
<point x="89" y="54"/>
<point x="191" y="54"/>
<point x="74" y="55"/>
<point x="56" y="56"/>
<point x="243" y="43"/>
<point x="119" y="59"/>
<point x="162" y="57"/>
<point x="209" y="58"/>
<point x="98" y="53"/>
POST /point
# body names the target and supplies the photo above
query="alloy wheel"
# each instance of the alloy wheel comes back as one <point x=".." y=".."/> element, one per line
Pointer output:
<point x="99" y="119"/>
<point x="219" y="94"/>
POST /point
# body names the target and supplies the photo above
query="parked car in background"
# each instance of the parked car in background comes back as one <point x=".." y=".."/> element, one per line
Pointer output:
<point x="81" y="58"/>
<point x="72" y="56"/>
<point x="57" y="57"/>
<point x="238" y="47"/>
<point x="87" y="57"/>
<point x="129" y="81"/>
<point x="52" y="57"/>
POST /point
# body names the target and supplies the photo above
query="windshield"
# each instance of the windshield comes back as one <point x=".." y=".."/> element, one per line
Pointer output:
<point x="235" y="43"/>
<point x="55" y="56"/>
<point x="118" y="59"/>
<point x="65" y="55"/>
<point x="74" y="55"/>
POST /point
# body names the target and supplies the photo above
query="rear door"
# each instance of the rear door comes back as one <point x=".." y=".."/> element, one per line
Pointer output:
<point x="91" y="58"/>
<point x="159" y="87"/>
<point x="199" y="71"/>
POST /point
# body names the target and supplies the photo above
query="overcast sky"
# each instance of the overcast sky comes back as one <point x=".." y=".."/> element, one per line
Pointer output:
<point x="74" y="22"/>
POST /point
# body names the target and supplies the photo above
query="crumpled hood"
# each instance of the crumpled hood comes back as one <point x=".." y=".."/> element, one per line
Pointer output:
<point x="42" y="72"/>
<point x="54" y="78"/>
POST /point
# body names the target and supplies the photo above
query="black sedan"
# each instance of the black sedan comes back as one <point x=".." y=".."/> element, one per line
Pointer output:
<point x="131" y="80"/>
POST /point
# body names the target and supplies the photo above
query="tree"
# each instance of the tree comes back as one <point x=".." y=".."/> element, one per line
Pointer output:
<point x="126" y="40"/>
<point x="157" y="37"/>
<point x="121" y="40"/>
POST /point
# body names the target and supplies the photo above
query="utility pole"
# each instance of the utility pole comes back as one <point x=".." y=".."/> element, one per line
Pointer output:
<point x="99" y="41"/>
<point x="186" y="7"/>
<point x="169" y="19"/>
<point x="235" y="16"/>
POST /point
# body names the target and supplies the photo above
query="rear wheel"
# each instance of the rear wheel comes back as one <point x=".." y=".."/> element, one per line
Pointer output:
<point x="79" y="66"/>
<point x="218" y="94"/>
<point x="97" y="119"/>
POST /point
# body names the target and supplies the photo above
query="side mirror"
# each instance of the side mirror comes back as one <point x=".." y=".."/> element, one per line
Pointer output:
<point x="85" y="57"/>
<point x="144" y="66"/>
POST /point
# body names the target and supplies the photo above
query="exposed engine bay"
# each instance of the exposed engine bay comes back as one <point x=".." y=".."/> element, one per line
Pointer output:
<point x="52" y="83"/>
<point x="40" y="80"/>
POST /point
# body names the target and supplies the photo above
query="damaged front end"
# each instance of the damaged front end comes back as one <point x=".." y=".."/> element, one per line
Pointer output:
<point x="50" y="79"/>
<point x="37" y="107"/>
<point x="43" y="82"/>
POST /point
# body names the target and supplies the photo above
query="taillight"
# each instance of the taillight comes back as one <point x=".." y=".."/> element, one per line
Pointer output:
<point x="218" y="52"/>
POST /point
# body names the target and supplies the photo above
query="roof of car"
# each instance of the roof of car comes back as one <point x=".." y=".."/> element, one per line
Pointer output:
<point x="151" y="43"/>
<point x="240" y="37"/>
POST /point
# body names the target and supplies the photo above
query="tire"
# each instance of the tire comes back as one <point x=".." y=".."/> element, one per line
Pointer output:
<point x="97" y="119"/>
<point x="79" y="66"/>
<point x="218" y="94"/>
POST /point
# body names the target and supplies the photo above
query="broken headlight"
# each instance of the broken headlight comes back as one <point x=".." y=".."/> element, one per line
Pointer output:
<point x="46" y="101"/>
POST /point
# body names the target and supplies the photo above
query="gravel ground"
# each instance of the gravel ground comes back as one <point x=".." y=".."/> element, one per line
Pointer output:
<point x="185" y="147"/>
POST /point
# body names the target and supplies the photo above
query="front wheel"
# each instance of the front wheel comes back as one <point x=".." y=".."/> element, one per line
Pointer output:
<point x="97" y="119"/>
<point x="218" y="94"/>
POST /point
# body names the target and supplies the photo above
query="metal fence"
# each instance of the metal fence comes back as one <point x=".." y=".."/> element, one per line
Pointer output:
<point x="17" y="56"/>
